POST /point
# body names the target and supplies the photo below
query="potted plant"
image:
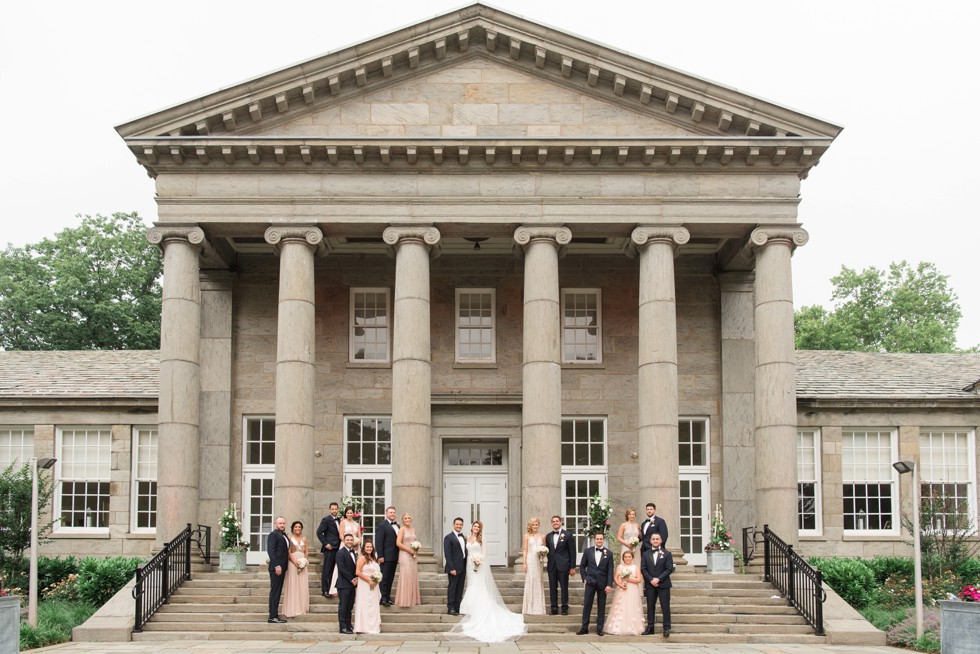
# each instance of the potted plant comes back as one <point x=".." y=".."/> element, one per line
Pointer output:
<point x="9" y="616"/>
<point x="599" y="510"/>
<point x="231" y="554"/>
<point x="959" y="619"/>
<point x="720" y="548"/>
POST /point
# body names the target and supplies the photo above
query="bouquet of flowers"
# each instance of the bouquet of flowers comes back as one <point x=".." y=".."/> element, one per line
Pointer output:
<point x="301" y="564"/>
<point x="599" y="510"/>
<point x="231" y="531"/>
<point x="625" y="574"/>
<point x="477" y="561"/>
<point x="970" y="594"/>
<point x="633" y="542"/>
<point x="416" y="546"/>
<point x="542" y="553"/>
<point x="375" y="577"/>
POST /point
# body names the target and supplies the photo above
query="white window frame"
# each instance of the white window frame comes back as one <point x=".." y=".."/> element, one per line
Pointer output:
<point x="893" y="481"/>
<point x="135" y="479"/>
<point x="259" y="471"/>
<point x="492" y="358"/>
<point x="353" y="324"/>
<point x="591" y="467"/>
<point x="565" y="292"/>
<point x="704" y="468"/>
<point x="60" y="480"/>
<point x="23" y="432"/>
<point x="375" y="471"/>
<point x="971" y="463"/>
<point x="256" y="467"/>
<point x="817" y="481"/>
<point x="592" y="472"/>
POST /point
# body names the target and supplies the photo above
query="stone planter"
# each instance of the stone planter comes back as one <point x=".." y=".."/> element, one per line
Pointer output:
<point x="231" y="562"/>
<point x="10" y="624"/>
<point x="959" y="627"/>
<point x="721" y="562"/>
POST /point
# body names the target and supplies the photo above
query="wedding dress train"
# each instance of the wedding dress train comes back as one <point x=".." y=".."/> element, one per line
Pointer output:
<point x="486" y="618"/>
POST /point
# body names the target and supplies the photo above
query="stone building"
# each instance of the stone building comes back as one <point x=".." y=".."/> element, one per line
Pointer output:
<point x="475" y="267"/>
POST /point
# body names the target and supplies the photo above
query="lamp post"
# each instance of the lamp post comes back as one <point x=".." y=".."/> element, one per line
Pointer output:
<point x="36" y="465"/>
<point x="904" y="467"/>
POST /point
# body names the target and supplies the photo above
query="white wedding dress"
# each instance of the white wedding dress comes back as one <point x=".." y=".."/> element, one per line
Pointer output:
<point x="485" y="616"/>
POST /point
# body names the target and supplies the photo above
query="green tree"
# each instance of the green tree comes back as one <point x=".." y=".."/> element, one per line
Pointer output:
<point x="94" y="286"/>
<point x="906" y="309"/>
<point x="15" y="516"/>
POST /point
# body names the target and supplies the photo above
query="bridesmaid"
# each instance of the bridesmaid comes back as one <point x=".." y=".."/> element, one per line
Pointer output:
<point x="533" y="577"/>
<point x="367" y="596"/>
<point x="628" y="530"/>
<point x="626" y="616"/>
<point x="296" y="591"/>
<point x="349" y="525"/>
<point x="407" y="594"/>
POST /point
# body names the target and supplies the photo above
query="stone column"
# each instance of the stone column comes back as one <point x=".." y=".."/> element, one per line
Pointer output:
<point x="295" y="369"/>
<point x="411" y="376"/>
<point x="180" y="379"/>
<point x="541" y="384"/>
<point x="775" y="379"/>
<point x="215" y="474"/>
<point x="657" y="353"/>
<point x="737" y="398"/>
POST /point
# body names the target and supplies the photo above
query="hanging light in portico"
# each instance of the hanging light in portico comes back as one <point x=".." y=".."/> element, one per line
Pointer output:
<point x="475" y="241"/>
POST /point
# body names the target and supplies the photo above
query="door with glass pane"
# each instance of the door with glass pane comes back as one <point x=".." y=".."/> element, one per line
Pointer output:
<point x="257" y="513"/>
<point x="695" y="489"/>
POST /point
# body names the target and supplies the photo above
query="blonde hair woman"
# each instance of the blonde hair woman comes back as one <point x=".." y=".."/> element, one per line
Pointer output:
<point x="407" y="594"/>
<point x="533" y="562"/>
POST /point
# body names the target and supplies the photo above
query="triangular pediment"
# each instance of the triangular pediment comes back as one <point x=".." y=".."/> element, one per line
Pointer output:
<point x="666" y="97"/>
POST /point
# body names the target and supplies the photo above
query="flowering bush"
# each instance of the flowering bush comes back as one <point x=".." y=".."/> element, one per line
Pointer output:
<point x="66" y="589"/>
<point x="231" y="531"/>
<point x="599" y="511"/>
<point x="902" y="633"/>
<point x="969" y="594"/>
<point x="721" y="538"/>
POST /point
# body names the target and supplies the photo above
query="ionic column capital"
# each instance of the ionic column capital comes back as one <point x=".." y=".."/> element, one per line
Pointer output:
<point x="555" y="234"/>
<point x="674" y="235"/>
<point x="164" y="235"/>
<point x="308" y="234"/>
<point x="791" y="235"/>
<point x="396" y="235"/>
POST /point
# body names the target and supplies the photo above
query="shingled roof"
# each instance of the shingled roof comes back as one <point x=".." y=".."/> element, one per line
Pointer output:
<point x="80" y="374"/>
<point x="878" y="375"/>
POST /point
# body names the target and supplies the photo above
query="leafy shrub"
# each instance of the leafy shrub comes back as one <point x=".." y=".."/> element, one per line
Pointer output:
<point x="899" y="590"/>
<point x="51" y="570"/>
<point x="969" y="571"/>
<point x="55" y="620"/>
<point x="884" y="567"/>
<point x="100" y="579"/>
<point x="65" y="590"/>
<point x="903" y="633"/>
<point x="850" y="578"/>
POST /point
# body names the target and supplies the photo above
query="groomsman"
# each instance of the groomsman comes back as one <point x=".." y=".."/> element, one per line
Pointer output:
<point x="656" y="566"/>
<point x="346" y="581"/>
<point x="454" y="549"/>
<point x="277" y="547"/>
<point x="328" y="534"/>
<point x="561" y="563"/>
<point x="597" y="574"/>
<point x="653" y="524"/>
<point x="386" y="546"/>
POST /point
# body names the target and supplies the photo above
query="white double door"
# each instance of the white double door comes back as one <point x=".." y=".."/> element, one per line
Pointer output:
<point x="478" y="496"/>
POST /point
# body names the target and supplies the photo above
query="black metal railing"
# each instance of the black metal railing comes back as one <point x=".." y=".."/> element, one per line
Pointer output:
<point x="799" y="583"/>
<point x="158" y="578"/>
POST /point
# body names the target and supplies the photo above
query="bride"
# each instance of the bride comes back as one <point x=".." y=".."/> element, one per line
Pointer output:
<point x="485" y="616"/>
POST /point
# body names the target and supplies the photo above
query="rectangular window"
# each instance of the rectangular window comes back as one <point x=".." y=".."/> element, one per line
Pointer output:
<point x="373" y="490"/>
<point x="581" y="311"/>
<point x="692" y="442"/>
<point x="475" y="325"/>
<point x="369" y="442"/>
<point x="260" y="441"/>
<point x="144" y="509"/>
<point x="869" y="480"/>
<point x="83" y="470"/>
<point x="808" y="478"/>
<point x="576" y="492"/>
<point x="367" y="467"/>
<point x="16" y="444"/>
<point x="369" y="324"/>
<point x="948" y="478"/>
<point x="583" y="442"/>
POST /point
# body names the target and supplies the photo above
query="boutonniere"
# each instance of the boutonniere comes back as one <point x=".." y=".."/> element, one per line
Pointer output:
<point x="561" y="537"/>
<point x="604" y="551"/>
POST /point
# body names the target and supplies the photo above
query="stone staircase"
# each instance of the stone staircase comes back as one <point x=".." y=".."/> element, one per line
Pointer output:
<point x="706" y="609"/>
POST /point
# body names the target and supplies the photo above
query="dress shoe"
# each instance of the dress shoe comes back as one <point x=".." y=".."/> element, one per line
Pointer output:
<point x="564" y="611"/>
<point x="276" y="621"/>
<point x="601" y="633"/>
<point x="453" y="613"/>
<point x="666" y="633"/>
<point x="649" y="632"/>
<point x="582" y="632"/>
<point x="554" y="611"/>
<point x="347" y="631"/>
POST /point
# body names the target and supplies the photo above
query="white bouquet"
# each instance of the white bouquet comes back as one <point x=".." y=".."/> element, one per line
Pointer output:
<point x="302" y="563"/>
<point x="416" y="546"/>
<point x="633" y="542"/>
<point x="542" y="553"/>
<point x="375" y="577"/>
<point x="625" y="574"/>
<point x="477" y="561"/>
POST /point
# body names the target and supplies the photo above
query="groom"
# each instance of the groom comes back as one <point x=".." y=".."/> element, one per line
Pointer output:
<point x="561" y="563"/>
<point x="386" y="549"/>
<point x="454" y="549"/>
<point x="597" y="574"/>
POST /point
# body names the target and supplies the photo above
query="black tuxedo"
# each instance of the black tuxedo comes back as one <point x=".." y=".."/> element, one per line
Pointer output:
<point x="277" y="547"/>
<point x="386" y="547"/>
<point x="455" y="552"/>
<point x="346" y="572"/>
<point x="660" y="570"/>
<point x="561" y="559"/>
<point x="597" y="578"/>
<point x="328" y="533"/>
<point x="659" y="525"/>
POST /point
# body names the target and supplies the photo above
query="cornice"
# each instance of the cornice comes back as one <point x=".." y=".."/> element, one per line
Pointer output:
<point x="542" y="51"/>
<point x="202" y="154"/>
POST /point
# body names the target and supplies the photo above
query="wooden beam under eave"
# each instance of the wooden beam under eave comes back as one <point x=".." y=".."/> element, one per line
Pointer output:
<point x="515" y="48"/>
<point x="282" y="103"/>
<point x="542" y="156"/>
<point x="491" y="41"/>
<point x="515" y="155"/>
<point x="752" y="129"/>
<point x="463" y="153"/>
<point x="752" y="156"/>
<point x="490" y="155"/>
<point x="308" y="94"/>
<point x="619" y="84"/>
<point x="177" y="155"/>
<point x="778" y="155"/>
<point x="725" y="121"/>
<point x="622" y="155"/>
<point x="595" y="155"/>
<point x="332" y="154"/>
<point x="412" y="154"/>
<point x="359" y="154"/>
<point x="437" y="154"/>
<point x="806" y="156"/>
<point x="334" y="82"/>
<point x="253" y="155"/>
<point x="569" y="155"/>
<point x="674" y="156"/>
<point x="726" y="156"/>
<point x="255" y="111"/>
<point x="280" y="155"/>
<point x="700" y="155"/>
<point x="202" y="127"/>
<point x="646" y="92"/>
<point x="150" y="154"/>
<point x="385" y="152"/>
<point x="648" y="154"/>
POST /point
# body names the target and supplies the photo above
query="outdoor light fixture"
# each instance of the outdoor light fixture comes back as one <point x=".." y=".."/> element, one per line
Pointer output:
<point x="904" y="467"/>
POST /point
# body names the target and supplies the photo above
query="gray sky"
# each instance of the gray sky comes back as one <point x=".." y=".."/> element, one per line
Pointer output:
<point x="886" y="71"/>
